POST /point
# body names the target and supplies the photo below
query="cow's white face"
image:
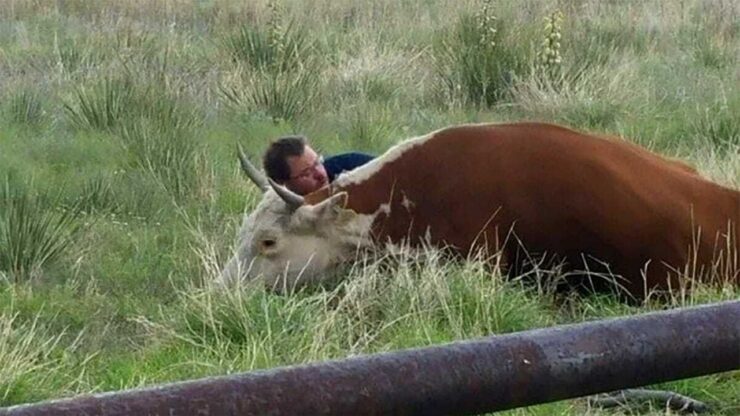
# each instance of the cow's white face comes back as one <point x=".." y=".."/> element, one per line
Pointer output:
<point x="286" y="247"/>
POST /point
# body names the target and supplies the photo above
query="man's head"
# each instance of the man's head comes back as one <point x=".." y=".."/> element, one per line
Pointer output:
<point x="290" y="161"/>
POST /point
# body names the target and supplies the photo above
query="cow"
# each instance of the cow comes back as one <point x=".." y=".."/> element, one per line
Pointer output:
<point x="525" y="190"/>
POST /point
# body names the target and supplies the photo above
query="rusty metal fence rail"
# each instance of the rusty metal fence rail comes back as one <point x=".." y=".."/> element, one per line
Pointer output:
<point x="489" y="374"/>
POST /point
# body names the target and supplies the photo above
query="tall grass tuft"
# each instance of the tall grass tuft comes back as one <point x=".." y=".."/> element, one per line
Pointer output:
<point x="599" y="40"/>
<point x="26" y="356"/>
<point x="384" y="301"/>
<point x="710" y="50"/>
<point x="282" y="96"/>
<point x="369" y="127"/>
<point x="102" y="105"/>
<point x="74" y="56"/>
<point x="97" y="195"/>
<point x="582" y="95"/>
<point x="477" y="62"/>
<point x="281" y="48"/>
<point x="109" y="103"/>
<point x="32" y="235"/>
<point x="155" y="127"/>
<point x="278" y="72"/>
<point x="169" y="154"/>
<point x="719" y="127"/>
<point x="264" y="329"/>
<point x="25" y="107"/>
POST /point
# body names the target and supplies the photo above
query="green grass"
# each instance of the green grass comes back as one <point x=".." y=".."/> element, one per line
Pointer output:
<point x="121" y="192"/>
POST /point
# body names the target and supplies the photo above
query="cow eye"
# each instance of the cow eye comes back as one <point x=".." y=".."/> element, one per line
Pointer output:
<point x="268" y="243"/>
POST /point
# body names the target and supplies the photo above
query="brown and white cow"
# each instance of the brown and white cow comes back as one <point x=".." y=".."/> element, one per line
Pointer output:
<point x="582" y="199"/>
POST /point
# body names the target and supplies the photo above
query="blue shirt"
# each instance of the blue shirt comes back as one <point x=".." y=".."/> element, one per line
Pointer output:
<point x="337" y="164"/>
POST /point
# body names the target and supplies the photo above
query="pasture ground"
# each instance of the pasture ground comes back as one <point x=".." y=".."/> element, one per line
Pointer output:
<point x="120" y="194"/>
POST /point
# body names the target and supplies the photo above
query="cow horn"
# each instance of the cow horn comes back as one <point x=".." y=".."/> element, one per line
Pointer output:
<point x="291" y="198"/>
<point x="252" y="172"/>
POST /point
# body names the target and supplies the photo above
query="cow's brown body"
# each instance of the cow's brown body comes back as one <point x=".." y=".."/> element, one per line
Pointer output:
<point x="556" y="191"/>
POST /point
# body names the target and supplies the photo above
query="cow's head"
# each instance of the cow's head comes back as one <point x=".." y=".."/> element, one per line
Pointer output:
<point x="286" y="242"/>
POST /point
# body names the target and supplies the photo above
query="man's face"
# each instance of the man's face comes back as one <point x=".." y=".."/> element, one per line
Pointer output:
<point x="307" y="172"/>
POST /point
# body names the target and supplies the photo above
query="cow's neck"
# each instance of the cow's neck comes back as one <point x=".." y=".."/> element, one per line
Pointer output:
<point x="370" y="188"/>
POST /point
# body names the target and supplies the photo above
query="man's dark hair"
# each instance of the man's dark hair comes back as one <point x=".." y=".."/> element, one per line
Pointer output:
<point x="275" y="159"/>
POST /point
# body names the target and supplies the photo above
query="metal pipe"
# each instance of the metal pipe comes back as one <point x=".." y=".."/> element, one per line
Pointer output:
<point x="494" y="373"/>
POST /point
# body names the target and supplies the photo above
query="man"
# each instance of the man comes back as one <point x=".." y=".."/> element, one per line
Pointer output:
<point x="290" y="161"/>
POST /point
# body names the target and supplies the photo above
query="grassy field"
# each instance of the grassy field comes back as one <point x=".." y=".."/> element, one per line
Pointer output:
<point x="120" y="193"/>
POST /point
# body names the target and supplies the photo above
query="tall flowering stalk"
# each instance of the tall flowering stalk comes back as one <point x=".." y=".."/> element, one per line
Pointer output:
<point x="486" y="26"/>
<point x="550" y="58"/>
<point x="276" y="31"/>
